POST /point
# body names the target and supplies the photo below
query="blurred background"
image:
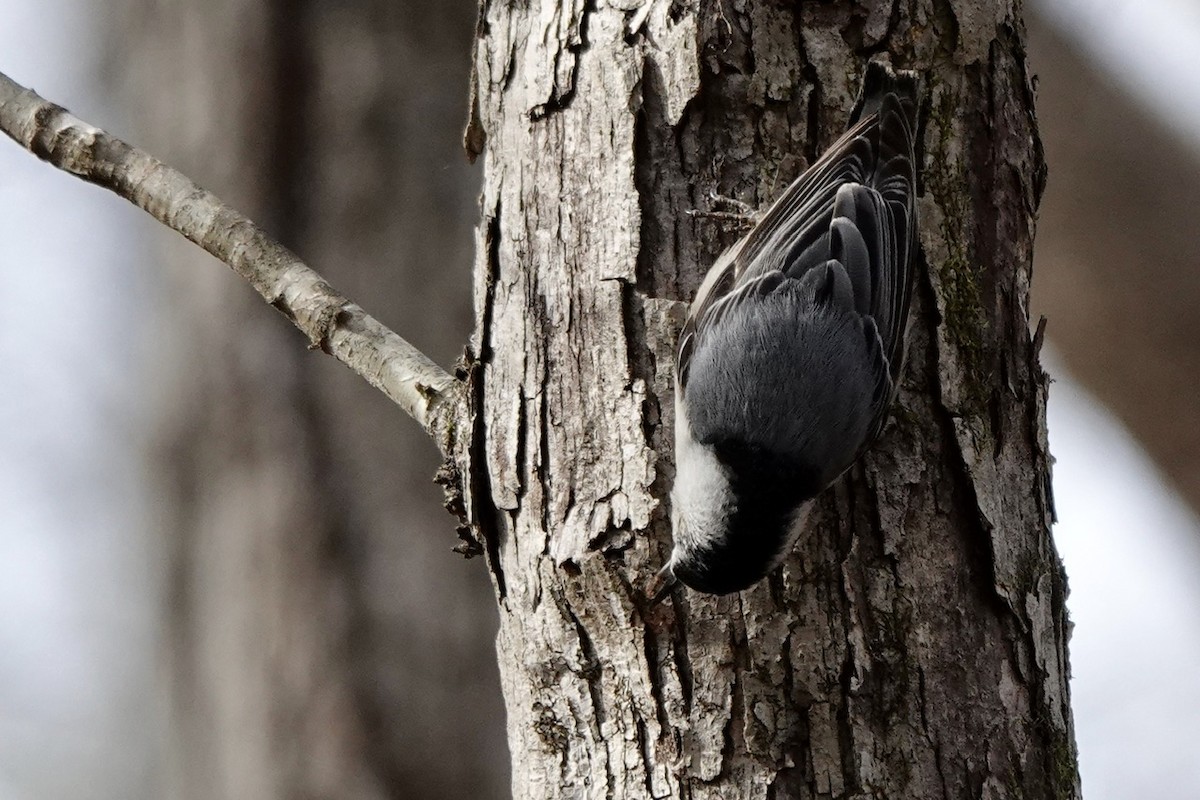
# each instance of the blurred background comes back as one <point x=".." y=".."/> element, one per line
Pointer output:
<point x="224" y="571"/>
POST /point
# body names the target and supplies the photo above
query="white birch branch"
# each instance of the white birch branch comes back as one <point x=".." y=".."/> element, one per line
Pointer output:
<point x="429" y="394"/>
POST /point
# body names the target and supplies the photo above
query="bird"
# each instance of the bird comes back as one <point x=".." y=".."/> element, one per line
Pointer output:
<point x="791" y="352"/>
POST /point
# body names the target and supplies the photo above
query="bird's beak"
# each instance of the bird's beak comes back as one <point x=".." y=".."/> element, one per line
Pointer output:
<point x="660" y="585"/>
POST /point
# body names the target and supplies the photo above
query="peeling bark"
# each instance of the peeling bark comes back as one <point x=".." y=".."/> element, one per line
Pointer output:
<point x="914" y="644"/>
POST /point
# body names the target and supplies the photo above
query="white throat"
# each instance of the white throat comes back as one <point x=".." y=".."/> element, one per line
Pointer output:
<point x="702" y="498"/>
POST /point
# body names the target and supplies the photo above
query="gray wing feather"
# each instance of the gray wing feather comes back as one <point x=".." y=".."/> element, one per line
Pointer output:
<point x="845" y="230"/>
<point x="847" y="246"/>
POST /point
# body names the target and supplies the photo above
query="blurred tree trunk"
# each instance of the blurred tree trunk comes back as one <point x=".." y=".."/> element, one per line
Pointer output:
<point x="1119" y="262"/>
<point x="323" y="642"/>
<point x="914" y="645"/>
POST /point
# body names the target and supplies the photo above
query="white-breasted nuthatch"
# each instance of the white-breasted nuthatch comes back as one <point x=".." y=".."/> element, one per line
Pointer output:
<point x="792" y="349"/>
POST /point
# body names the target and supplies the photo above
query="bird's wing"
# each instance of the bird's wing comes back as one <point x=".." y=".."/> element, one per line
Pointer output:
<point x="846" y="227"/>
<point x="856" y="205"/>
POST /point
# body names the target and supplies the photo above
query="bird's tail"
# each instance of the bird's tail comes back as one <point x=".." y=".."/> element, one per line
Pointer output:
<point x="893" y="98"/>
<point x="879" y="82"/>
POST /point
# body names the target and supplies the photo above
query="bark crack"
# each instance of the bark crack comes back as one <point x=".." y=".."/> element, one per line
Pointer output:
<point x="486" y="516"/>
<point x="592" y="672"/>
<point x="566" y="79"/>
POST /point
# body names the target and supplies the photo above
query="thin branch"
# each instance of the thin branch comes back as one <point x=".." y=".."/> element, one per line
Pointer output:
<point x="433" y="397"/>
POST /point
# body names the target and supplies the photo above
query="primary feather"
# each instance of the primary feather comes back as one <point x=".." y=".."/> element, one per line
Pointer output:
<point x="790" y="354"/>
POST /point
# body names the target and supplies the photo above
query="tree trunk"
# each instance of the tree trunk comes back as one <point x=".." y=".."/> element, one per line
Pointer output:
<point x="323" y="642"/>
<point x="1119" y="274"/>
<point x="914" y="644"/>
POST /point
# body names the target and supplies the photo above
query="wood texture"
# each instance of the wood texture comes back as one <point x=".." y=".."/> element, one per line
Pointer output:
<point x="914" y="645"/>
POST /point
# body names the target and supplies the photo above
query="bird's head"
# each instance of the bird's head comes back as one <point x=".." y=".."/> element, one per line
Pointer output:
<point x="735" y="512"/>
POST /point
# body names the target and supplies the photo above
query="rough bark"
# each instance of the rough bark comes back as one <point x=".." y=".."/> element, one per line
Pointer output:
<point x="322" y="640"/>
<point x="914" y="644"/>
<point x="1119" y="268"/>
